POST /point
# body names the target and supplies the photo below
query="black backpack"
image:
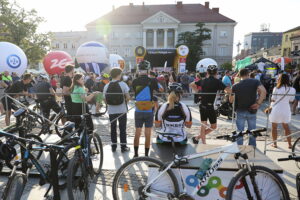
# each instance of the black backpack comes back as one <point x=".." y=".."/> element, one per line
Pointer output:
<point x="114" y="94"/>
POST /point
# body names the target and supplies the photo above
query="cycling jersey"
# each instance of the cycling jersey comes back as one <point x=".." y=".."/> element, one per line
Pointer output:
<point x="173" y="121"/>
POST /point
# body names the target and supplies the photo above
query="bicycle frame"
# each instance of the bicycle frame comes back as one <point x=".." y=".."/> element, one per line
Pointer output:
<point x="225" y="150"/>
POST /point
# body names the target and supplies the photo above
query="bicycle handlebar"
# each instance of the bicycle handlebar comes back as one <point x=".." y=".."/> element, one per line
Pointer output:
<point x="291" y="157"/>
<point x="234" y="136"/>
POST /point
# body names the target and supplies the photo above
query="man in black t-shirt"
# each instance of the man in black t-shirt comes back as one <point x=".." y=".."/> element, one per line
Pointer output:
<point x="46" y="96"/>
<point x="247" y="103"/>
<point x="209" y="85"/>
<point x="296" y="85"/>
<point x="66" y="82"/>
<point x="17" y="88"/>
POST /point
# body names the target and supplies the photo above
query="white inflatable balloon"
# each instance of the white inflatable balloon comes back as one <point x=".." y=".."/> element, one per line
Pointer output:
<point x="116" y="60"/>
<point x="12" y="58"/>
<point x="93" y="57"/>
<point x="204" y="63"/>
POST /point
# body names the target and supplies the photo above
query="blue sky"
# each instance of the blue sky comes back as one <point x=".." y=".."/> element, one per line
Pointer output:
<point x="67" y="15"/>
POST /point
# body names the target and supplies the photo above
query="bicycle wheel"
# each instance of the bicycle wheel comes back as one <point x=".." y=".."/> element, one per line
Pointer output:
<point x="132" y="177"/>
<point x="36" y="153"/>
<point x="298" y="184"/>
<point x="269" y="185"/>
<point x="77" y="180"/>
<point x="58" y="123"/>
<point x="15" y="186"/>
<point x="96" y="153"/>
<point x="63" y="161"/>
<point x="296" y="150"/>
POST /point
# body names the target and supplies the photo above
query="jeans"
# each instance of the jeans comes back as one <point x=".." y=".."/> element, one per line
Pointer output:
<point x="242" y="117"/>
<point x="122" y="126"/>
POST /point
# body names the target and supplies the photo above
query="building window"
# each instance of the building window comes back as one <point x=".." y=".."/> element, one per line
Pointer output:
<point x="114" y="51"/>
<point x="73" y="46"/>
<point x="57" y="45"/>
<point x="286" y="38"/>
<point x="205" y="50"/>
<point x="223" y="51"/>
<point x="171" y="38"/>
<point x="223" y="34"/>
<point x="149" y="38"/>
<point x="127" y="52"/>
<point x="65" y="45"/>
<point x="160" y="38"/>
<point x="296" y="48"/>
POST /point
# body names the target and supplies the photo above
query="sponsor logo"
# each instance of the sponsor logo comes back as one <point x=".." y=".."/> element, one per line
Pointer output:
<point x="13" y="61"/>
<point x="60" y="64"/>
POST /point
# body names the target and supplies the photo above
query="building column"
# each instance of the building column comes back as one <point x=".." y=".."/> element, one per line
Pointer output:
<point x="154" y="38"/>
<point x="144" y="38"/>
<point x="175" y="37"/>
<point x="165" y="38"/>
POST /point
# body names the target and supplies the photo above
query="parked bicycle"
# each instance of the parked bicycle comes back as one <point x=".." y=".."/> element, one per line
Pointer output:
<point x="86" y="163"/>
<point x="145" y="177"/>
<point x="296" y="159"/>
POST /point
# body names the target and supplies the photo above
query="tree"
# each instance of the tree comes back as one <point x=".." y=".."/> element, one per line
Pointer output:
<point x="19" y="27"/>
<point x="194" y="41"/>
<point x="227" y="66"/>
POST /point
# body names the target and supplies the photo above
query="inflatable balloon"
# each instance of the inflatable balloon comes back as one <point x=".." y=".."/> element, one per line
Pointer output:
<point x="56" y="61"/>
<point x="116" y="60"/>
<point x="204" y="63"/>
<point x="93" y="57"/>
<point x="12" y="58"/>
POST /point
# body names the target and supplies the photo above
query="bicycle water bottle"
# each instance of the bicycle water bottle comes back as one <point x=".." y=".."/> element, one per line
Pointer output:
<point x="205" y="165"/>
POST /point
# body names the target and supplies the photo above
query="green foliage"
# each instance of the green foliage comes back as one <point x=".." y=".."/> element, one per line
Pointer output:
<point x="19" y="27"/>
<point x="227" y="66"/>
<point x="194" y="41"/>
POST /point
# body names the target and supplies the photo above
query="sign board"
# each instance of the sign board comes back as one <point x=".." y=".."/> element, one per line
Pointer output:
<point x="182" y="67"/>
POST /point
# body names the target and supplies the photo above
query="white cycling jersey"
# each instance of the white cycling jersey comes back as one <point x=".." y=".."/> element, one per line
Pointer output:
<point x="173" y="121"/>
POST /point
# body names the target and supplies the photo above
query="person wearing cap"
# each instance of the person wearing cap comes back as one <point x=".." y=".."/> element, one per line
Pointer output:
<point x="210" y="86"/>
<point x="143" y="87"/>
<point x="46" y="96"/>
<point x="173" y="115"/>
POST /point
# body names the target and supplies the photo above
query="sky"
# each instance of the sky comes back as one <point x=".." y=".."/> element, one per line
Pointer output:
<point x="73" y="15"/>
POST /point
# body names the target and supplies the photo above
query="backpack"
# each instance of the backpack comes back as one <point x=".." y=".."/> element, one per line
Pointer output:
<point x="114" y="94"/>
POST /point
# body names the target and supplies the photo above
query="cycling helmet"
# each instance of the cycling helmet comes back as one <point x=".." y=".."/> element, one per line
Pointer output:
<point x="144" y="65"/>
<point x="176" y="87"/>
<point x="7" y="152"/>
<point x="212" y="68"/>
<point x="105" y="75"/>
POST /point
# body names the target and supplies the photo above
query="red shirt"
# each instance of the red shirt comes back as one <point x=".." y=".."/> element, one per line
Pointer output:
<point x="53" y="83"/>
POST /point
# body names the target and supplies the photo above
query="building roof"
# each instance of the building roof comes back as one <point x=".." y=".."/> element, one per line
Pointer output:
<point x="185" y="13"/>
<point x="293" y="29"/>
<point x="265" y="33"/>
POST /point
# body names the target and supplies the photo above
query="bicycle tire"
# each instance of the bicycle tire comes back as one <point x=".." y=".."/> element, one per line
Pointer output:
<point x="295" y="152"/>
<point x="236" y="185"/>
<point x="125" y="185"/>
<point x="97" y="165"/>
<point x="15" y="186"/>
<point x="37" y="156"/>
<point x="298" y="184"/>
<point x="83" y="182"/>
<point x="58" y="132"/>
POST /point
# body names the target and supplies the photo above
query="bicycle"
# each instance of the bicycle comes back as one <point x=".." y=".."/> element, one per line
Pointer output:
<point x="85" y="163"/>
<point x="296" y="159"/>
<point x="17" y="180"/>
<point x="144" y="177"/>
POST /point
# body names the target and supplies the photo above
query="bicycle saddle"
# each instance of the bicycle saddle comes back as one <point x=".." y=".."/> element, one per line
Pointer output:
<point x="19" y="112"/>
<point x="67" y="125"/>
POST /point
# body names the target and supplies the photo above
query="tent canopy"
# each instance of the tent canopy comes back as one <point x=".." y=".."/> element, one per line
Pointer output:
<point x="240" y="64"/>
<point x="265" y="63"/>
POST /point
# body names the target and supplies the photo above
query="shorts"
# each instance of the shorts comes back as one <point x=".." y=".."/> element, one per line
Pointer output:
<point x="208" y="113"/>
<point x="141" y="118"/>
<point x="10" y="104"/>
<point x="297" y="97"/>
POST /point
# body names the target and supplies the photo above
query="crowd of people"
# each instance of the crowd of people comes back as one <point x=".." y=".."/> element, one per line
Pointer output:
<point x="74" y="91"/>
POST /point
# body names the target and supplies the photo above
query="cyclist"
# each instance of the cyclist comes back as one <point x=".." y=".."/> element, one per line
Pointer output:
<point x="173" y="116"/>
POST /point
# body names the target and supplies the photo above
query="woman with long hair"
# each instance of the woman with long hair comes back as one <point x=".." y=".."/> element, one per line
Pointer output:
<point x="79" y="98"/>
<point x="282" y="95"/>
<point x="173" y="116"/>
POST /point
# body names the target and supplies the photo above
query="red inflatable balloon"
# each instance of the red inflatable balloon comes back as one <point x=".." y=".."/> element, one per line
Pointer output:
<point x="56" y="61"/>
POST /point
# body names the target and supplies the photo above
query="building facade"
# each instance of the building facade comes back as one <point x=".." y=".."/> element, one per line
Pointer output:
<point x="286" y="46"/>
<point x="153" y="26"/>
<point x="257" y="40"/>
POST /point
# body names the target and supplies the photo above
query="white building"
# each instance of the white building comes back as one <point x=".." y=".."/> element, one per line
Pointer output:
<point x="153" y="26"/>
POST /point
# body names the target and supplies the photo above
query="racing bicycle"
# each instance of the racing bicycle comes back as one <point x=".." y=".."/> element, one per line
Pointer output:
<point x="149" y="178"/>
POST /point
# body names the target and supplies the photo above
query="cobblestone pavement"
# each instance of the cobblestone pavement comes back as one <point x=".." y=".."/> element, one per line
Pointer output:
<point x="103" y="182"/>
